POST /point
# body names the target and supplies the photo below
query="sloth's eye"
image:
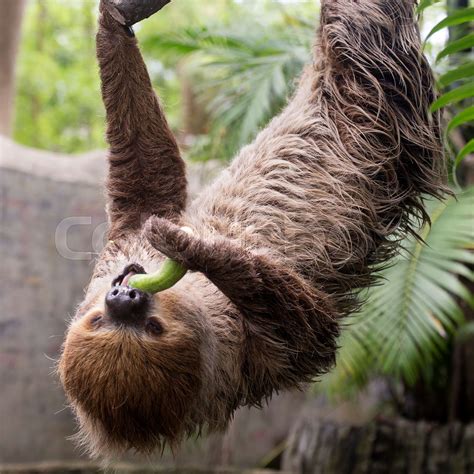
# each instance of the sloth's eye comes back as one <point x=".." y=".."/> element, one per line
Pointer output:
<point x="154" y="327"/>
<point x="96" y="320"/>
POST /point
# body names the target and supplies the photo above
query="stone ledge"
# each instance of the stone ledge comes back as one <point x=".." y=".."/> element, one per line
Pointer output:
<point x="87" y="468"/>
<point x="87" y="167"/>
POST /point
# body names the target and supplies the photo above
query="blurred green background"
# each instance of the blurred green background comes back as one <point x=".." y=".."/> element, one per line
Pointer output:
<point x="221" y="68"/>
<point x="58" y="104"/>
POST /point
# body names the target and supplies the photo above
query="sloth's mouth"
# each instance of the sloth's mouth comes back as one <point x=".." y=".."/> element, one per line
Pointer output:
<point x="127" y="273"/>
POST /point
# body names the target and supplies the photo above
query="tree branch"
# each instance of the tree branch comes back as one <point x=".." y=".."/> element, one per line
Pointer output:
<point x="129" y="12"/>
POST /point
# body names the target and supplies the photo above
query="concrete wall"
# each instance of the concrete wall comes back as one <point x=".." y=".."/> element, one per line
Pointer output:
<point x="40" y="288"/>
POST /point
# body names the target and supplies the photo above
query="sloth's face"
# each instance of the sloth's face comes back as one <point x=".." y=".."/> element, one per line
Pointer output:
<point x="131" y="367"/>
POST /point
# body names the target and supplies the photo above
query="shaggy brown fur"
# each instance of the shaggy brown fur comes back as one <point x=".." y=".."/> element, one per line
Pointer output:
<point x="282" y="239"/>
<point x="139" y="185"/>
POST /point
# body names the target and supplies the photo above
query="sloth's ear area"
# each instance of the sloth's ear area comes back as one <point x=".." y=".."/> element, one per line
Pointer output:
<point x="146" y="171"/>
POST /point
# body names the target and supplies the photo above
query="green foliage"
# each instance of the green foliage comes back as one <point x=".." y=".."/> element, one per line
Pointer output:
<point x="58" y="105"/>
<point x="408" y="321"/>
<point x="425" y="4"/>
<point x="457" y="83"/>
<point x="463" y="15"/>
<point x="465" y="116"/>
<point x="465" y="150"/>
<point x="248" y="70"/>
<point x="464" y="43"/>
<point x="455" y="95"/>
<point x="465" y="71"/>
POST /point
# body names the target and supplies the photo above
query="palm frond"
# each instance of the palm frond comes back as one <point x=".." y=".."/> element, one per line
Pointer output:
<point x="465" y="116"/>
<point x="456" y="46"/>
<point x="458" y="17"/>
<point x="464" y="71"/>
<point x="424" y="4"/>
<point x="248" y="73"/>
<point x="457" y="82"/>
<point x="466" y="150"/>
<point x="408" y="321"/>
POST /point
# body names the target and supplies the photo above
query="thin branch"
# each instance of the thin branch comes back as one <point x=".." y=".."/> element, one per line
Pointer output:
<point x="129" y="12"/>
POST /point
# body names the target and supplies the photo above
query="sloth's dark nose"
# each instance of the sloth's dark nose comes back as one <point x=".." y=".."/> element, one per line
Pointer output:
<point x="126" y="305"/>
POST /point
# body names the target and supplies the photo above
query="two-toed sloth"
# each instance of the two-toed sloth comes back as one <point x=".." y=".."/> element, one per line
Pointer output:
<point x="282" y="240"/>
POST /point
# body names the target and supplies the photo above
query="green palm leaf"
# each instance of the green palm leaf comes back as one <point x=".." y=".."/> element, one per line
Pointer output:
<point x="466" y="150"/>
<point x="463" y="15"/>
<point x="408" y="321"/>
<point x="461" y="72"/>
<point x="465" y="71"/>
<point x="425" y="4"/>
<point x="465" y="116"/>
<point x="456" y="95"/>
<point x="249" y="73"/>
<point x="462" y="44"/>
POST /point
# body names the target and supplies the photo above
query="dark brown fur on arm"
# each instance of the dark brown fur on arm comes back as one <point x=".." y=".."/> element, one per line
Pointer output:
<point x="289" y="326"/>
<point x="146" y="171"/>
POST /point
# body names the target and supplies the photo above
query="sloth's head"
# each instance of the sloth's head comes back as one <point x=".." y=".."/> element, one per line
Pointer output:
<point x="132" y="367"/>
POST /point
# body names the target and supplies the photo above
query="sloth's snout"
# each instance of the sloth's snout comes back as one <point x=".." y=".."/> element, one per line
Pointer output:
<point x="127" y="305"/>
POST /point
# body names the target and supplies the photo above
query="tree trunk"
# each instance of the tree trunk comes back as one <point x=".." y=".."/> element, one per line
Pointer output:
<point x="395" y="446"/>
<point x="10" y="24"/>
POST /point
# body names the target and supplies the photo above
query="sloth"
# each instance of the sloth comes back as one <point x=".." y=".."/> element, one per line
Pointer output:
<point x="282" y="241"/>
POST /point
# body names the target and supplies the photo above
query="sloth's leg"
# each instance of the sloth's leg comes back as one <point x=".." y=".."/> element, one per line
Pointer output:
<point x="376" y="87"/>
<point x="146" y="171"/>
<point x="289" y="326"/>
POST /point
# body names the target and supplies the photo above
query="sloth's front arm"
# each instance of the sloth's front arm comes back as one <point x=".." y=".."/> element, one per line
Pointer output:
<point x="146" y="172"/>
<point x="289" y="326"/>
